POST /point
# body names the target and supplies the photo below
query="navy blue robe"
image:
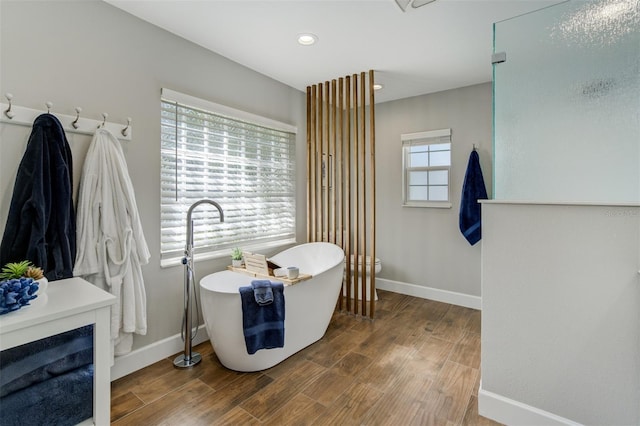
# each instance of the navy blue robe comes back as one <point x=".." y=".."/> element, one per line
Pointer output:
<point x="41" y="225"/>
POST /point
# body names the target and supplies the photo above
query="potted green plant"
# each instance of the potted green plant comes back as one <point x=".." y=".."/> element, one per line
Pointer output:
<point x="24" y="269"/>
<point x="236" y="257"/>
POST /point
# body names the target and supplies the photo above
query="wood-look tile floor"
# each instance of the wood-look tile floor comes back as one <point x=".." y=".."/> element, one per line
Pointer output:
<point x="417" y="363"/>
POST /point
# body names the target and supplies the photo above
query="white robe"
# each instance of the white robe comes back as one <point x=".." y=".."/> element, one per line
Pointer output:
<point x="110" y="244"/>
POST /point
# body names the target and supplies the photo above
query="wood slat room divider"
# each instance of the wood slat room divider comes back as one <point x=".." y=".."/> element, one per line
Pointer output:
<point x="341" y="203"/>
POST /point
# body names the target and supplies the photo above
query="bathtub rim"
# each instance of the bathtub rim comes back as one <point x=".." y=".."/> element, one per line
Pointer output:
<point x="241" y="278"/>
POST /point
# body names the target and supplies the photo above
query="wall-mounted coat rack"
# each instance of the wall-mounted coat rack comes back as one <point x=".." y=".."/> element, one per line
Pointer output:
<point x="24" y="116"/>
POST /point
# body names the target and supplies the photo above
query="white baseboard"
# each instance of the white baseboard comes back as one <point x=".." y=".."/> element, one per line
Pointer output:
<point x="436" y="294"/>
<point x="514" y="413"/>
<point x="147" y="355"/>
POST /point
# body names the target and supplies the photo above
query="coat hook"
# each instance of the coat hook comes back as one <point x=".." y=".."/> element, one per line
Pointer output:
<point x="49" y="105"/>
<point x="104" y="120"/>
<point x="126" y="129"/>
<point x="10" y="114"/>
<point x="74" y="123"/>
<point x="474" y="147"/>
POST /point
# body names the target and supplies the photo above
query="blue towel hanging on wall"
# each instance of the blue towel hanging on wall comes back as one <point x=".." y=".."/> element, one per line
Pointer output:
<point x="473" y="190"/>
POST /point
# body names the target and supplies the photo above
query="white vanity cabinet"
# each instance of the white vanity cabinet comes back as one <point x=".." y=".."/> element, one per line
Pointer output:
<point x="68" y="304"/>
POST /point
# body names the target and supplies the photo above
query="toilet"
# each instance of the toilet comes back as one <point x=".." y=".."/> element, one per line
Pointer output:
<point x="377" y="269"/>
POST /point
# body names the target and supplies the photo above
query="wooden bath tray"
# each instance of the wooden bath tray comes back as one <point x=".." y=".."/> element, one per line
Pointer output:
<point x="270" y="276"/>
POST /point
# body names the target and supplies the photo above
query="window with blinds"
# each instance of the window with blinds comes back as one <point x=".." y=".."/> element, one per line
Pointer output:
<point x="233" y="158"/>
<point x="426" y="163"/>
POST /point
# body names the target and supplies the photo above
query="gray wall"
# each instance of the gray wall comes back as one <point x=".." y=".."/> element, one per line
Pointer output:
<point x="423" y="246"/>
<point x="92" y="55"/>
<point x="560" y="314"/>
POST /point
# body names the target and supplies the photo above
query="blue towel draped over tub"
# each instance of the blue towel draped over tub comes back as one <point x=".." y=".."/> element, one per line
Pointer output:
<point x="473" y="190"/>
<point x="263" y="325"/>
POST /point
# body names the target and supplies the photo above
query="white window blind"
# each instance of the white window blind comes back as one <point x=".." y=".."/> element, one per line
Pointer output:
<point x="426" y="163"/>
<point x="248" y="167"/>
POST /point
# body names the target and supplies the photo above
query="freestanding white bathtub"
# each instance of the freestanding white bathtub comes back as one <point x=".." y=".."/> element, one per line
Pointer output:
<point x="309" y="306"/>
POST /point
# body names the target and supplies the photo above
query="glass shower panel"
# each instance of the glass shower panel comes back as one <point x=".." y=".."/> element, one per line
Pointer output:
<point x="567" y="104"/>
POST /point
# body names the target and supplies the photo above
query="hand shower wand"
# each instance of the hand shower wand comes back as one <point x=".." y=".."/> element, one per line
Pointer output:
<point x="190" y="358"/>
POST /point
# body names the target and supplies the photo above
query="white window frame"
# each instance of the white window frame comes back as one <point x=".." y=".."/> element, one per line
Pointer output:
<point x="432" y="137"/>
<point x="218" y="246"/>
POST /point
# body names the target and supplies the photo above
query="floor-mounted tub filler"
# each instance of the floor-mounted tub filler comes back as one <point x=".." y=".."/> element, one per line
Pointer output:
<point x="189" y="358"/>
<point x="309" y="306"/>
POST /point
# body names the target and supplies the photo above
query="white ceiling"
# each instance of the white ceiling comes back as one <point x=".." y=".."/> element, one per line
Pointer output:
<point x="439" y="46"/>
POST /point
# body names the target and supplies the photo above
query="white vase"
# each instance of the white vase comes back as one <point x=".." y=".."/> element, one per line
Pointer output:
<point x="236" y="263"/>
<point x="43" y="283"/>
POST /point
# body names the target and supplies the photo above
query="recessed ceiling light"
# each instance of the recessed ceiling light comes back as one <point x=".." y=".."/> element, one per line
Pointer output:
<point x="307" y="39"/>
<point x="377" y="86"/>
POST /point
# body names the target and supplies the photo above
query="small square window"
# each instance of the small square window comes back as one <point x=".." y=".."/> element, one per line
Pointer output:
<point x="426" y="164"/>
